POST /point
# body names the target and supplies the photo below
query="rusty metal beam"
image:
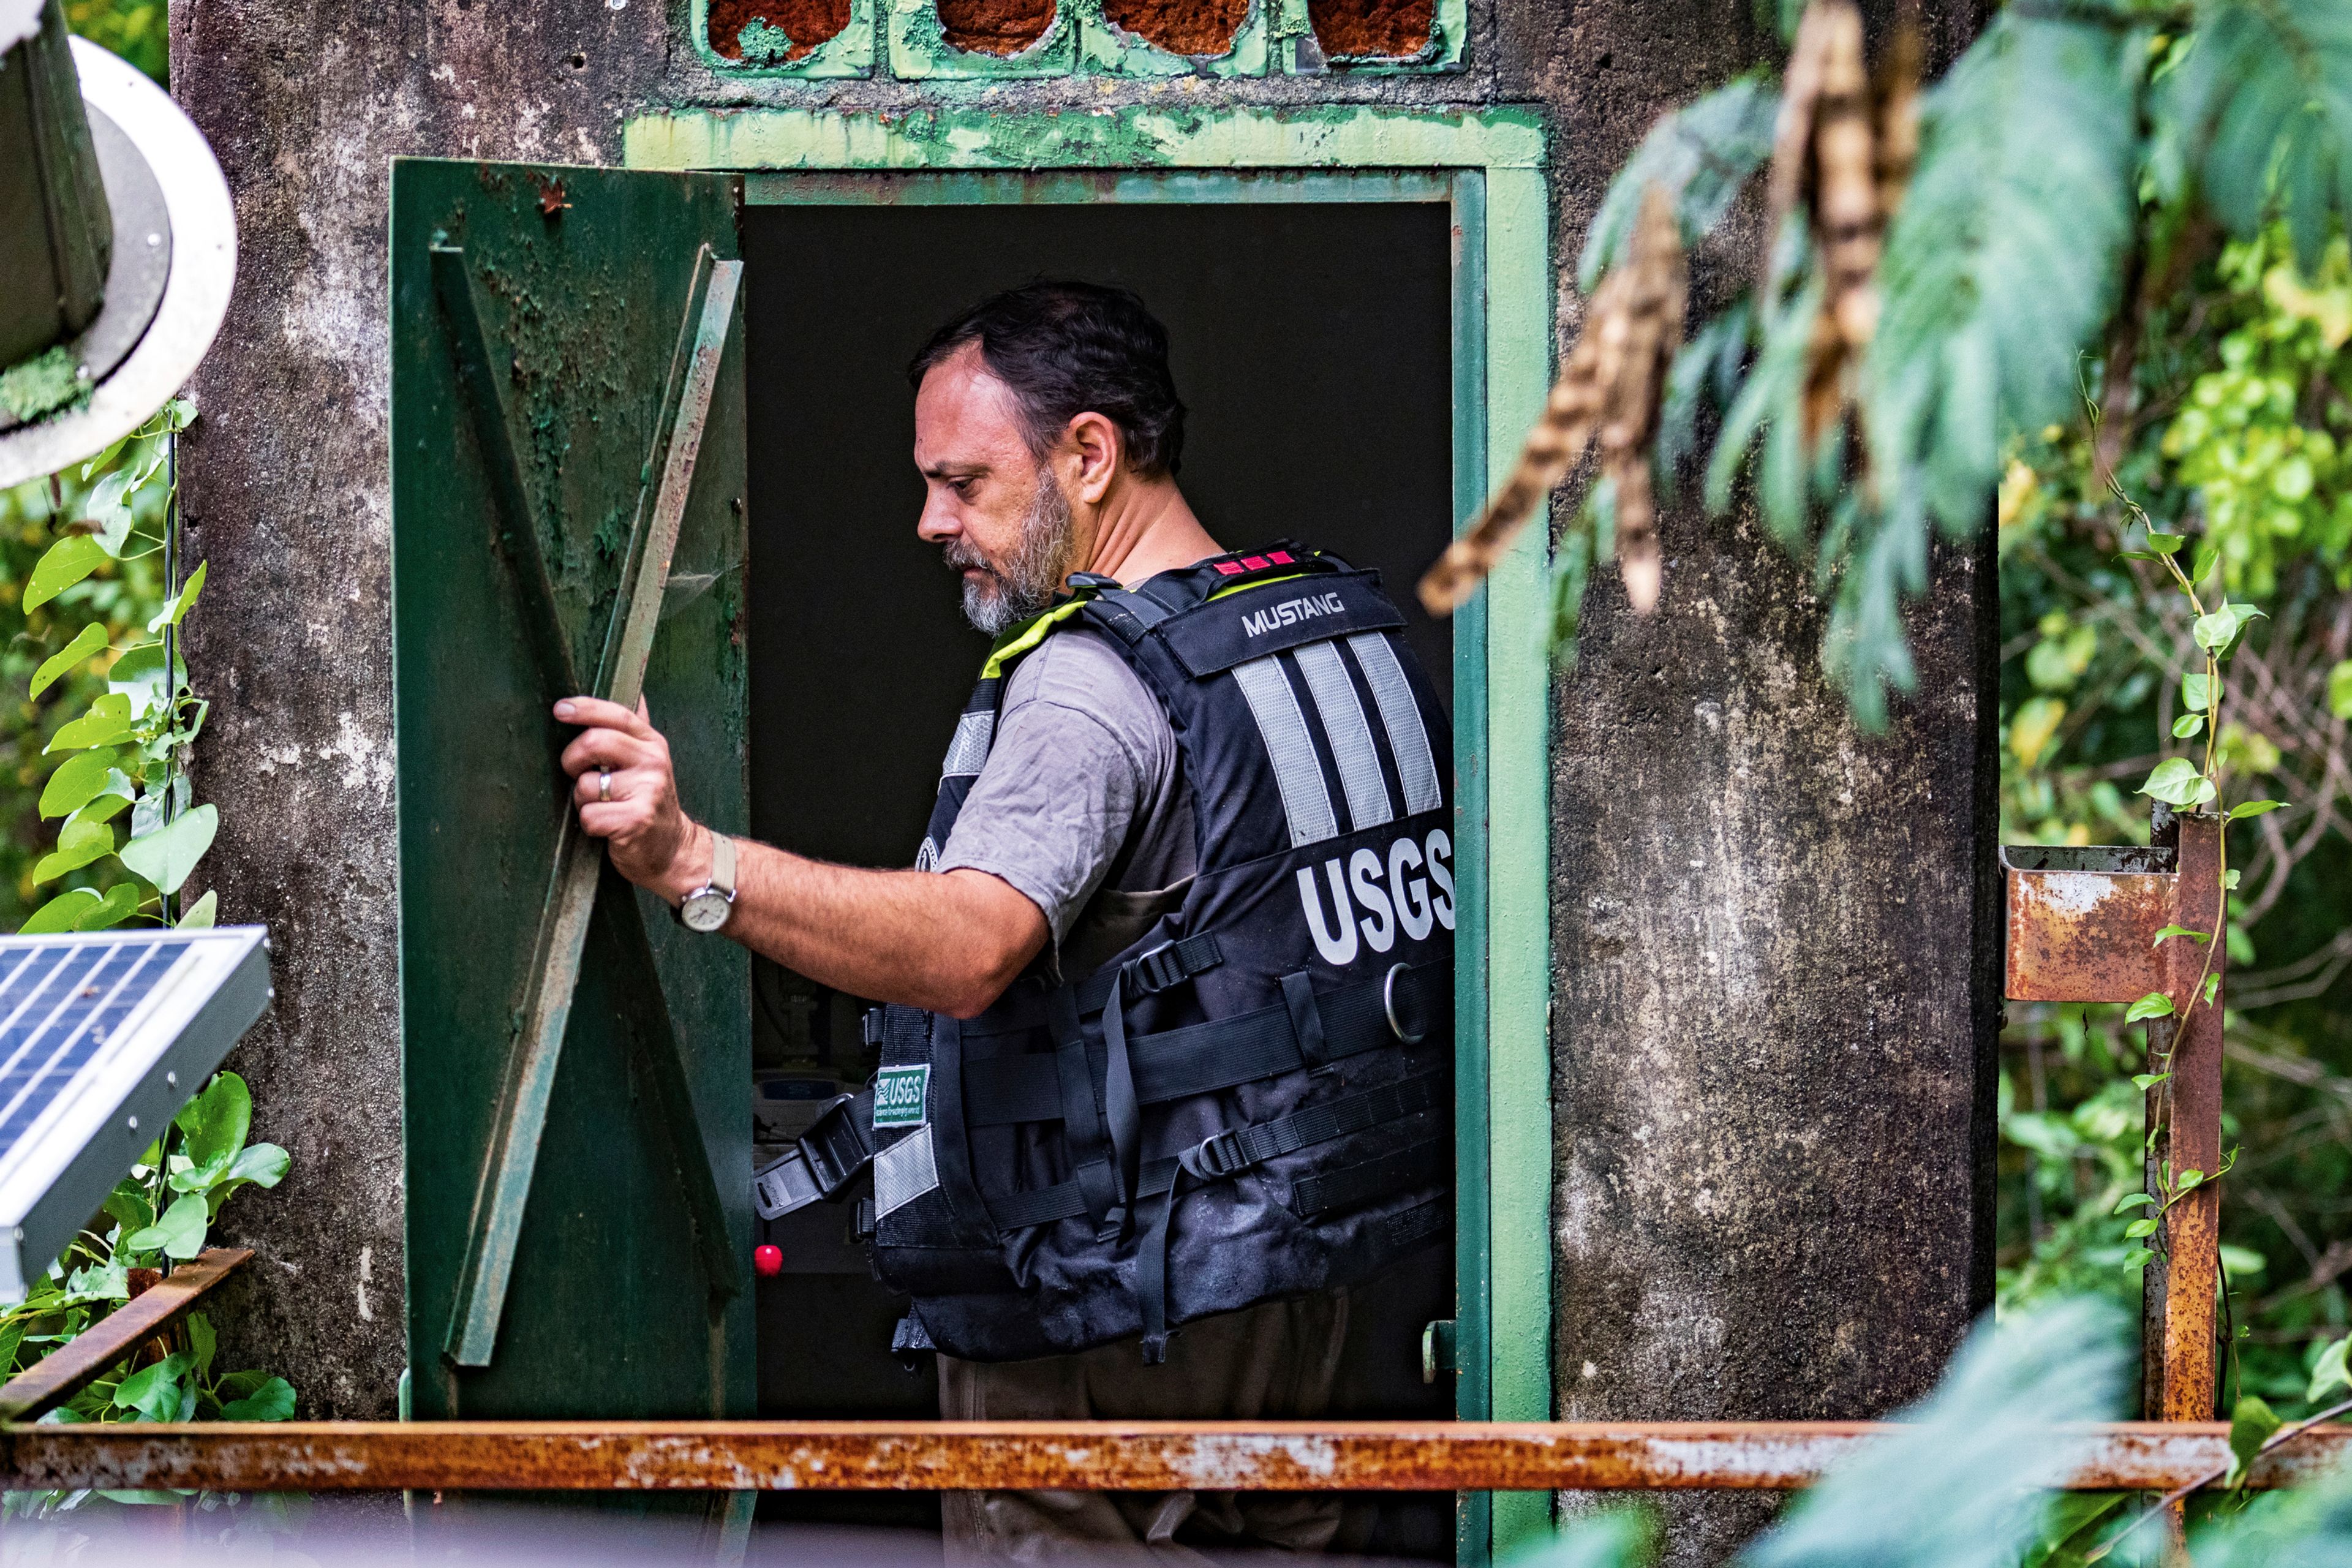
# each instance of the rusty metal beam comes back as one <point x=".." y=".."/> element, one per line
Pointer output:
<point x="71" y="1367"/>
<point x="918" y="1456"/>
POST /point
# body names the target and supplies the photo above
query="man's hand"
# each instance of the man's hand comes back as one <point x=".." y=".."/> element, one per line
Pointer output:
<point x="628" y="795"/>
<point x="950" y="943"/>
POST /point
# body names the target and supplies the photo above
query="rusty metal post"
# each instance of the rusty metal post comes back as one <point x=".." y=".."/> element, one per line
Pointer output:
<point x="2179" y="1297"/>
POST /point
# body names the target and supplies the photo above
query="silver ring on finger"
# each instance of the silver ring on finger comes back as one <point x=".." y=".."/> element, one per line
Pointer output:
<point x="605" y="785"/>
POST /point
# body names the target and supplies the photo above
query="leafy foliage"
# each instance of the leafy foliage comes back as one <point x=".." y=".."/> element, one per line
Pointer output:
<point x="2106" y="687"/>
<point x="161" y="1213"/>
<point x="95" y="595"/>
<point x="2062" y="150"/>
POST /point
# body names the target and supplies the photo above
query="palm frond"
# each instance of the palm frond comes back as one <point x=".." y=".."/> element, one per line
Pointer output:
<point x="2002" y="265"/>
<point x="2264" y="106"/>
<point x="1954" y="1487"/>
<point x="1701" y="156"/>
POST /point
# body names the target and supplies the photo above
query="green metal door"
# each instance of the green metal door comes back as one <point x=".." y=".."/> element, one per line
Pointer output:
<point x="567" y="430"/>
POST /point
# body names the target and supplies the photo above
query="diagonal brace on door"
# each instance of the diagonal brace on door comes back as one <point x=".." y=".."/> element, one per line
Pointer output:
<point x="503" y="1191"/>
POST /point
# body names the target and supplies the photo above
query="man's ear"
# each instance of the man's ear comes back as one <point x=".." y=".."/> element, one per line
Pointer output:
<point x="1095" y="441"/>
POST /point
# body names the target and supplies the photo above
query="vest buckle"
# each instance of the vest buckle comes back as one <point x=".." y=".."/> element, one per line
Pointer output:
<point x="1173" y="963"/>
<point x="1214" y="1157"/>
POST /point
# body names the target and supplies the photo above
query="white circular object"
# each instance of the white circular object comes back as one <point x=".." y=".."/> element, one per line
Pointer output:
<point x="195" y="295"/>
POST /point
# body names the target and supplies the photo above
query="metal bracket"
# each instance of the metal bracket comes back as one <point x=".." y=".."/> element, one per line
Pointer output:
<point x="495" y="1229"/>
<point x="2082" y="927"/>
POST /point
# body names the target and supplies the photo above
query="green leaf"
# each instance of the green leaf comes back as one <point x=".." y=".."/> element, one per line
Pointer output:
<point x="2166" y="543"/>
<point x="182" y="603"/>
<point x="108" y="506"/>
<point x="2136" y="1201"/>
<point x="128" y="1207"/>
<point x="139" y="674"/>
<point x="2328" y="1372"/>
<point x="201" y="1342"/>
<point x="218" y="1120"/>
<point x="65" y="563"/>
<point x="261" y="1165"/>
<point x="79" y="842"/>
<point x="2138" y="1228"/>
<point x="86" y="642"/>
<point x="273" y="1401"/>
<point x="2253" y="809"/>
<point x="2214" y="630"/>
<point x="2136" y="1257"/>
<point x="106" y="724"/>
<point x="2208" y="557"/>
<point x="80" y="779"/>
<point x="200" y="914"/>
<point x="60" y="913"/>
<point x="2154" y="1005"/>
<point x="2199" y="937"/>
<point x="169" y="854"/>
<point x="2339" y="690"/>
<point x="2176" y="781"/>
<point x="2229" y="880"/>
<point x="180" y="1234"/>
<point x="153" y="1391"/>
<point x="2189" y="1179"/>
<point x="1701" y="155"/>
<point x="2196" y="691"/>
<point x="2212" y="984"/>
<point x="2251" y="1426"/>
<point x="2144" y="1081"/>
<point x="2188" y="726"/>
<point x="120" y="902"/>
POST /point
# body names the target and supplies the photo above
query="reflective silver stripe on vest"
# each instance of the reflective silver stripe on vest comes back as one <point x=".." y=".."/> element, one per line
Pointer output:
<point x="1408" y="736"/>
<point x="974" y="733"/>
<point x="1368" y="805"/>
<point x="904" y="1171"/>
<point x="1283" y="728"/>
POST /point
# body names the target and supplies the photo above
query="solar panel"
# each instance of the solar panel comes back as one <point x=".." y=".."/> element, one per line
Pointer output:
<point x="104" y="1035"/>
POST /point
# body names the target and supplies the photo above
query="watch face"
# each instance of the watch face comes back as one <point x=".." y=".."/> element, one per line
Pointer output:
<point x="703" y="911"/>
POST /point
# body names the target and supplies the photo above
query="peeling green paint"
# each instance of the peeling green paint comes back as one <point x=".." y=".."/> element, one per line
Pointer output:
<point x="919" y="50"/>
<point x="1300" y="53"/>
<point x="848" y="53"/>
<point x="1106" y="47"/>
<point x="1329" y="136"/>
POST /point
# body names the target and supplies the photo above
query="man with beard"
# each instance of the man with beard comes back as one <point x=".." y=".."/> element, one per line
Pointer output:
<point x="1048" y="432"/>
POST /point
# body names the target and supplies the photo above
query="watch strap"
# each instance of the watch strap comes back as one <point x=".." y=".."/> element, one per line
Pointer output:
<point x="722" y="865"/>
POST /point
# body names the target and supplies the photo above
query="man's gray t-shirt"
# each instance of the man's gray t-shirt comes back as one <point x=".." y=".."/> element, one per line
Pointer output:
<point x="1082" y="801"/>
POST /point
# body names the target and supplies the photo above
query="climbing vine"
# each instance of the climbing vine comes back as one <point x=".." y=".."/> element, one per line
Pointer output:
<point x="128" y="836"/>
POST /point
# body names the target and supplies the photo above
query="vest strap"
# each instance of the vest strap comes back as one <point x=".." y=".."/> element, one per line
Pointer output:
<point x="821" y="1162"/>
<point x="1231" y="1152"/>
<point x="1414" y="1166"/>
<point x="1357" y="1113"/>
<point x="1200" y="1057"/>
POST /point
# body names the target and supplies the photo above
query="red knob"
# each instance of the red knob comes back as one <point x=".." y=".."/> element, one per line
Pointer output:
<point x="768" y="1260"/>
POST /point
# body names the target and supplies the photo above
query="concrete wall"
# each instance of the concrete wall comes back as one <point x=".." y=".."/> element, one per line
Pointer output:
<point x="1772" y="981"/>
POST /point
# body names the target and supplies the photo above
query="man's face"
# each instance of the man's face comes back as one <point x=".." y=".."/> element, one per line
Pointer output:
<point x="999" y="514"/>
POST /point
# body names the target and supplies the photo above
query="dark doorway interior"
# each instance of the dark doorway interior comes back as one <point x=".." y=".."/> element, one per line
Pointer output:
<point x="1312" y="342"/>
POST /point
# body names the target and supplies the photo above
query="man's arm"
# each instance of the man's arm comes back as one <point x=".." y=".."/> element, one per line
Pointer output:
<point x="948" y="942"/>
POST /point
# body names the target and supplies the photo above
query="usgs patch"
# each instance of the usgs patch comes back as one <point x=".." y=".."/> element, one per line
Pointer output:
<point x="899" y="1094"/>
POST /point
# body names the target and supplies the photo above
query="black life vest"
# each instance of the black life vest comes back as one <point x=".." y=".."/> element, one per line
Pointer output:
<point x="1251" y="1097"/>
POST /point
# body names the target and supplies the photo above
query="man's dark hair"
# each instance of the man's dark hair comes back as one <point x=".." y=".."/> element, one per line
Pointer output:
<point x="1068" y="349"/>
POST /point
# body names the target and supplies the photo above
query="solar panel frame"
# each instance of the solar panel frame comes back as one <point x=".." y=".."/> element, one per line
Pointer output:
<point x="123" y="1085"/>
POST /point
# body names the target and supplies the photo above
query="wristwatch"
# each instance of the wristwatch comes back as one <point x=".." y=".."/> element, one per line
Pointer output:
<point x="707" y="908"/>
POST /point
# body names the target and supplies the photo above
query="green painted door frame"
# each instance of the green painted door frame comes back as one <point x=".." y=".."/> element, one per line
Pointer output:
<point x="1488" y="167"/>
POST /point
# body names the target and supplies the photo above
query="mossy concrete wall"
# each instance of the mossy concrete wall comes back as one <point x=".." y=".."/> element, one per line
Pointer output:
<point x="1770" y="931"/>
